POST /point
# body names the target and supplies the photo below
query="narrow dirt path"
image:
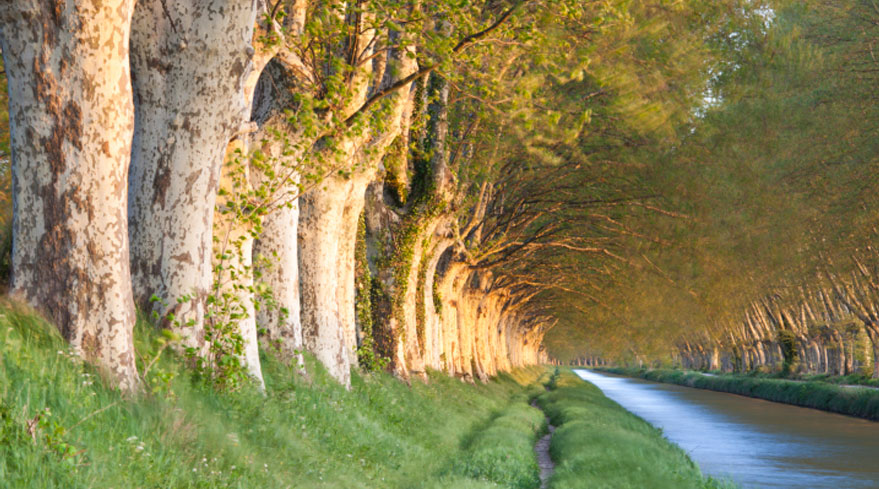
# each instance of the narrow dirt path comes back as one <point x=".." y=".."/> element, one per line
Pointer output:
<point x="541" y="449"/>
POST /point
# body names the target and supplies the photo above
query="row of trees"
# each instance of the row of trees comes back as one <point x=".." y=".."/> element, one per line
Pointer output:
<point x="411" y="184"/>
<point x="774" y="267"/>
<point x="434" y="185"/>
<point x="122" y="116"/>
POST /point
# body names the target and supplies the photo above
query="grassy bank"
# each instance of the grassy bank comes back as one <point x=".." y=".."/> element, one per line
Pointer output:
<point x="61" y="428"/>
<point x="817" y="394"/>
<point x="598" y="444"/>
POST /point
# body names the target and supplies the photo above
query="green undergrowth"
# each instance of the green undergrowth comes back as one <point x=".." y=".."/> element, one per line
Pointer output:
<point x="851" y="379"/>
<point x="599" y="445"/>
<point x="60" y="427"/>
<point x="817" y="394"/>
<point x="503" y="452"/>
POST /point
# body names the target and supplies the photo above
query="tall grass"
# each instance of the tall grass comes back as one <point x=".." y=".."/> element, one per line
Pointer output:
<point x="304" y="433"/>
<point x="853" y="401"/>
<point x="503" y="452"/>
<point x="600" y="445"/>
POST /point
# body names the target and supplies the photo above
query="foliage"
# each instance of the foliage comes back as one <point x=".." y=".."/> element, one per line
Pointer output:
<point x="368" y="356"/>
<point x="761" y="196"/>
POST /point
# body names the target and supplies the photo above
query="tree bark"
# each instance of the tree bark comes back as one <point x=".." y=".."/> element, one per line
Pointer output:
<point x="323" y="274"/>
<point x="190" y="61"/>
<point x="232" y="258"/>
<point x="279" y="244"/>
<point x="71" y="118"/>
<point x="873" y="335"/>
<point x="434" y="353"/>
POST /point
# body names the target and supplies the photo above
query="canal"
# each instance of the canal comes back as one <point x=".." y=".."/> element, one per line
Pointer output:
<point x="756" y="443"/>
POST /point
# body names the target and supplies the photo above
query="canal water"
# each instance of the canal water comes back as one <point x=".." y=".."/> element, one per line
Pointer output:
<point x="755" y="443"/>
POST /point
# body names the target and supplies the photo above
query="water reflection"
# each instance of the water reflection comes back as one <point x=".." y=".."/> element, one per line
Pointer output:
<point x="753" y="442"/>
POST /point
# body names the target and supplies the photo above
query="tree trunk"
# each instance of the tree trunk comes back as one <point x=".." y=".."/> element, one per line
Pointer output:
<point x="190" y="61"/>
<point x="714" y="363"/>
<point x="840" y="353"/>
<point x="347" y="293"/>
<point x="279" y="245"/>
<point x="434" y="351"/>
<point x="275" y="251"/>
<point x="875" y="350"/>
<point x="873" y="335"/>
<point x="328" y="219"/>
<point x="233" y="265"/>
<point x="324" y="273"/>
<point x="71" y="119"/>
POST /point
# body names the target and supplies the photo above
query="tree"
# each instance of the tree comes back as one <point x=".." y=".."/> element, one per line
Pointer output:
<point x="71" y="119"/>
<point x="190" y="62"/>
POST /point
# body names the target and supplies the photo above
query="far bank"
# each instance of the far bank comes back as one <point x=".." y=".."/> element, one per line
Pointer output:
<point x="858" y="401"/>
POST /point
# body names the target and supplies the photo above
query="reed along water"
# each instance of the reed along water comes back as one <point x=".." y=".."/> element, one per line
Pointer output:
<point x="755" y="443"/>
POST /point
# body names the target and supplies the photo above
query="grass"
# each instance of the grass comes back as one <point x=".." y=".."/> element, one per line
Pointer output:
<point x="600" y="445"/>
<point x="817" y="394"/>
<point x="503" y="452"/>
<point x="851" y="379"/>
<point x="305" y="433"/>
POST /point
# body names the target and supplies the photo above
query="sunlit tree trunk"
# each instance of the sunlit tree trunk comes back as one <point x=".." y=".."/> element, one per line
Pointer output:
<point x="322" y="274"/>
<point x="873" y="335"/>
<point x="279" y="245"/>
<point x="434" y="352"/>
<point x="233" y="266"/>
<point x="71" y="119"/>
<point x="190" y="60"/>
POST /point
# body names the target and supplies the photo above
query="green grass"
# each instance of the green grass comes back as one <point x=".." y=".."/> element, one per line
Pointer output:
<point x="851" y="379"/>
<point x="817" y="394"/>
<point x="503" y="452"/>
<point x="600" y="445"/>
<point x="305" y="433"/>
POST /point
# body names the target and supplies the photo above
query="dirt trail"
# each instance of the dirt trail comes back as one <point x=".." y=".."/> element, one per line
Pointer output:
<point x="541" y="449"/>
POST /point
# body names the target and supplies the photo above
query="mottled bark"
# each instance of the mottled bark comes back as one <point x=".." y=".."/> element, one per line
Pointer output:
<point x="276" y="249"/>
<point x="232" y="258"/>
<point x="354" y="205"/>
<point x="455" y="322"/>
<point x="323" y="274"/>
<point x="190" y="63"/>
<point x="328" y="221"/>
<point x="434" y="348"/>
<point x="279" y="244"/>
<point x="71" y="119"/>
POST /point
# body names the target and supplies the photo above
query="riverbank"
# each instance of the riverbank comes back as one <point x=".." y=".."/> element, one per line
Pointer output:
<point x="597" y="443"/>
<point x="60" y="427"/>
<point x="861" y="402"/>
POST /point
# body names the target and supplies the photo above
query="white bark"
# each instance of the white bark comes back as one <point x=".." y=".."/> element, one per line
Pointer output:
<point x="434" y="352"/>
<point x="190" y="60"/>
<point x="347" y="293"/>
<point x="327" y="229"/>
<point x="233" y="258"/>
<point x="279" y="244"/>
<point x="71" y="120"/>
<point x="322" y="274"/>
<point x="234" y="235"/>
